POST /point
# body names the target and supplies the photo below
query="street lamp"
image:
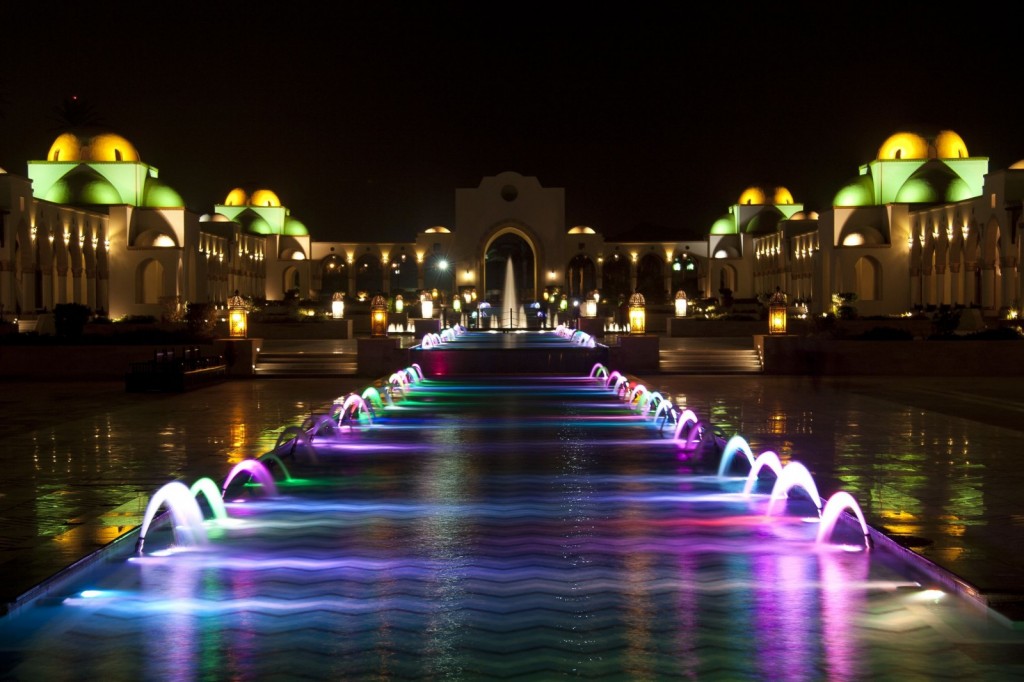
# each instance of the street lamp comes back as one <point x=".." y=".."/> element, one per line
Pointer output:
<point x="378" y="316"/>
<point x="338" y="305"/>
<point x="237" y="317"/>
<point x="637" y="313"/>
<point x="681" y="303"/>
<point x="777" y="313"/>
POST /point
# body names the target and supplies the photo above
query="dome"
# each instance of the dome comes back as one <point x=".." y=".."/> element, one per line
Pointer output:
<point x="903" y="145"/>
<point x="295" y="228"/>
<point x="255" y="224"/>
<point x="949" y="145"/>
<point x="159" y="195"/>
<point x="91" y="147"/>
<point x="264" y="197"/>
<point x="83" y="185"/>
<point x="437" y="229"/>
<point x="933" y="182"/>
<point x="1018" y="166"/>
<point x="214" y="218"/>
<point x="858" y="192"/>
<point x="753" y="195"/>
<point x="782" y="196"/>
<point x="765" y="221"/>
<point x="724" y="225"/>
<point x="237" y="197"/>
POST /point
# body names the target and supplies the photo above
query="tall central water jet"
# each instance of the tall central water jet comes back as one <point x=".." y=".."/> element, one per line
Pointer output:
<point x="511" y="315"/>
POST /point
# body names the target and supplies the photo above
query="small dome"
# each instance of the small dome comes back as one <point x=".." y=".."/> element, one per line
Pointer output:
<point x="91" y="147"/>
<point x="437" y="229"/>
<point x="159" y="195"/>
<point x="858" y="192"/>
<point x="214" y="218"/>
<point x="264" y="197"/>
<point x="1018" y="166"/>
<point x="949" y="145"/>
<point x="295" y="228"/>
<point x="932" y="183"/>
<point x="83" y="185"/>
<point x="753" y="195"/>
<point x="764" y="222"/>
<point x="903" y="145"/>
<point x="782" y="197"/>
<point x="637" y="299"/>
<point x="724" y="225"/>
<point x="256" y="224"/>
<point x="862" y="236"/>
<point x="237" y="197"/>
<point x="581" y="229"/>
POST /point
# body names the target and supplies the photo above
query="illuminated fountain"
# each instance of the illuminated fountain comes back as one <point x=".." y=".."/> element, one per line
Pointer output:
<point x="512" y="314"/>
<point x="520" y="526"/>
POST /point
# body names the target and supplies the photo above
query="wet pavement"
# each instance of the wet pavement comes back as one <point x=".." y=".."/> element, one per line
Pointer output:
<point x="931" y="462"/>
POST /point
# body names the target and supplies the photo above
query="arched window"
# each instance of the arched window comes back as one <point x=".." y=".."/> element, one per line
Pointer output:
<point x="149" y="282"/>
<point x="650" y="279"/>
<point x="369" y="274"/>
<point x="868" y="279"/>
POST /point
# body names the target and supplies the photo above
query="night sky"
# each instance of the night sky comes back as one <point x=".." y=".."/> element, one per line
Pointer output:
<point x="365" y="118"/>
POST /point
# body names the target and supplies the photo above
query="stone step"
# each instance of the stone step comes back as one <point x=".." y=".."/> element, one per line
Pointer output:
<point x="710" y="361"/>
<point x="306" y="364"/>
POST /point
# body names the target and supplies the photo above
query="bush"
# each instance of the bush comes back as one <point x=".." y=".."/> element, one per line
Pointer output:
<point x="70" y="318"/>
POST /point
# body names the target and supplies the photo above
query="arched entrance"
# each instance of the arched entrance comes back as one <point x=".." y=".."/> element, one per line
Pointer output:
<point x="510" y="243"/>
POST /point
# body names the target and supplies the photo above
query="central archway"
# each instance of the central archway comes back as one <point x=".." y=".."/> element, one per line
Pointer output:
<point x="515" y="243"/>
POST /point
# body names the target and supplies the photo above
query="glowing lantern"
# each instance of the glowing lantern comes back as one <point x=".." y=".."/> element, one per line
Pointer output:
<point x="681" y="304"/>
<point x="457" y="304"/>
<point x="237" y="317"/>
<point x="637" y="313"/>
<point x="378" y="316"/>
<point x="338" y="305"/>
<point x="399" y="304"/>
<point x="777" y="313"/>
<point x="426" y="305"/>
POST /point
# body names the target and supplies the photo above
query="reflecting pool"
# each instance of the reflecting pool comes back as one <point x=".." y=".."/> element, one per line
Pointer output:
<point x="527" y="527"/>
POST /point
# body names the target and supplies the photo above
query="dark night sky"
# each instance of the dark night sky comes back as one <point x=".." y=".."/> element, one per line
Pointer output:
<point x="366" y="118"/>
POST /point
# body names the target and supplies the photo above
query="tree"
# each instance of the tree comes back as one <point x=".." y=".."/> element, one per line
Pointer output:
<point x="75" y="112"/>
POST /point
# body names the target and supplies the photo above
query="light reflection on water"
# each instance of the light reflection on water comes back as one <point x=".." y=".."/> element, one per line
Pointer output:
<point x="667" y="593"/>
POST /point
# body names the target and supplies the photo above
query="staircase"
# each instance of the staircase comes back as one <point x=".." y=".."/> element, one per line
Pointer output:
<point x="710" y="361"/>
<point x="306" y="364"/>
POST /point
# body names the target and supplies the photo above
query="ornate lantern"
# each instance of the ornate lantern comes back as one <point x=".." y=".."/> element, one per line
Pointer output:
<point x="777" y="313"/>
<point x="590" y="305"/>
<point x="378" y="316"/>
<point x="399" y="304"/>
<point x="338" y="305"/>
<point x="237" y="317"/>
<point x="637" y="313"/>
<point x="426" y="305"/>
<point x="681" y="303"/>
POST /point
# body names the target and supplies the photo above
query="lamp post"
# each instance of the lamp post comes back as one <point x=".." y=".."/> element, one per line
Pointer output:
<point x="237" y="317"/>
<point x="777" y="313"/>
<point x="637" y="313"/>
<point x="378" y="317"/>
<point x="681" y="303"/>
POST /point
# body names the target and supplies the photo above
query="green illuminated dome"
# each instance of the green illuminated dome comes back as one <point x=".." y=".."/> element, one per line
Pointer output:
<point x="295" y="228"/>
<point x="724" y="225"/>
<point x="933" y="182"/>
<point x="159" y="195"/>
<point x="255" y="224"/>
<point x="764" y="222"/>
<point x="83" y="185"/>
<point x="859" y="192"/>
